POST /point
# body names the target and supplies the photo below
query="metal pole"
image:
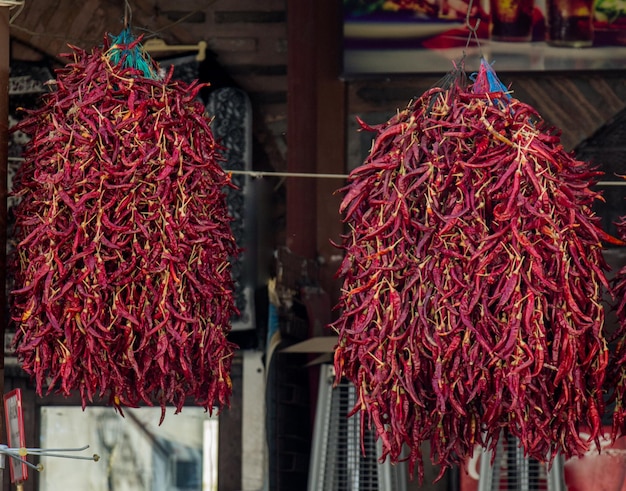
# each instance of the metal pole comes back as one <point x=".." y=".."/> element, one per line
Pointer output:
<point x="4" y="150"/>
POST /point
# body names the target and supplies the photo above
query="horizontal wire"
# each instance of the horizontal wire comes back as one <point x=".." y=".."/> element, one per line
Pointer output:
<point x="315" y="175"/>
<point x="255" y="173"/>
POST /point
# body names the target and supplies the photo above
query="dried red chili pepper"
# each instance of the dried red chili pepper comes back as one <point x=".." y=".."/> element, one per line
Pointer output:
<point x="497" y="261"/>
<point x="123" y="286"/>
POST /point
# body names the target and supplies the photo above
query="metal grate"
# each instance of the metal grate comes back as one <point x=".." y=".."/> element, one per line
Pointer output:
<point x="337" y="463"/>
<point x="512" y="471"/>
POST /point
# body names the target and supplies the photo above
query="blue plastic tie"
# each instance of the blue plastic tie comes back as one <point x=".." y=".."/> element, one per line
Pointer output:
<point x="495" y="85"/>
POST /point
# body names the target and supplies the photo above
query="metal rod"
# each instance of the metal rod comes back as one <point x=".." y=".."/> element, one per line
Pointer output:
<point x="19" y="453"/>
<point x="43" y="450"/>
<point x="94" y="457"/>
<point x="5" y="45"/>
<point x="16" y="456"/>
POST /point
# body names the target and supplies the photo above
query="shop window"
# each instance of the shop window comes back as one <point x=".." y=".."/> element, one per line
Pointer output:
<point x="136" y="453"/>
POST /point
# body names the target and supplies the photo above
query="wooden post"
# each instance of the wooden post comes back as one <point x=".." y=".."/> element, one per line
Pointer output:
<point x="331" y="140"/>
<point x="316" y="102"/>
<point x="301" y="127"/>
<point x="4" y="150"/>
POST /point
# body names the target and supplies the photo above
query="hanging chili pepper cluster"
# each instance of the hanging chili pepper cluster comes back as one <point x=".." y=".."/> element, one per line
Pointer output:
<point x="472" y="281"/>
<point x="617" y="374"/>
<point x="123" y="285"/>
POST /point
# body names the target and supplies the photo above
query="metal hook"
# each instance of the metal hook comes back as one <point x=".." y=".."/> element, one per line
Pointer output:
<point x="473" y="29"/>
<point x="470" y="5"/>
<point x="473" y="32"/>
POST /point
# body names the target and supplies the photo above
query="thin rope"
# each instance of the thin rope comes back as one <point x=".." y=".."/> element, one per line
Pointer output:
<point x="312" y="175"/>
<point x="150" y="33"/>
<point x="255" y="173"/>
<point x="321" y="175"/>
<point x="12" y="4"/>
<point x="128" y="14"/>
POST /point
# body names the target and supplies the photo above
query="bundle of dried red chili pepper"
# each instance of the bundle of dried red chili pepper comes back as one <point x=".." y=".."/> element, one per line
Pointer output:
<point x="472" y="281"/>
<point x="616" y="379"/>
<point x="123" y="285"/>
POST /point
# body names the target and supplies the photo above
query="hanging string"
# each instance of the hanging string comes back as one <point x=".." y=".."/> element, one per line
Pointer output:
<point x="12" y="4"/>
<point x="128" y="14"/>
<point x="149" y="32"/>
